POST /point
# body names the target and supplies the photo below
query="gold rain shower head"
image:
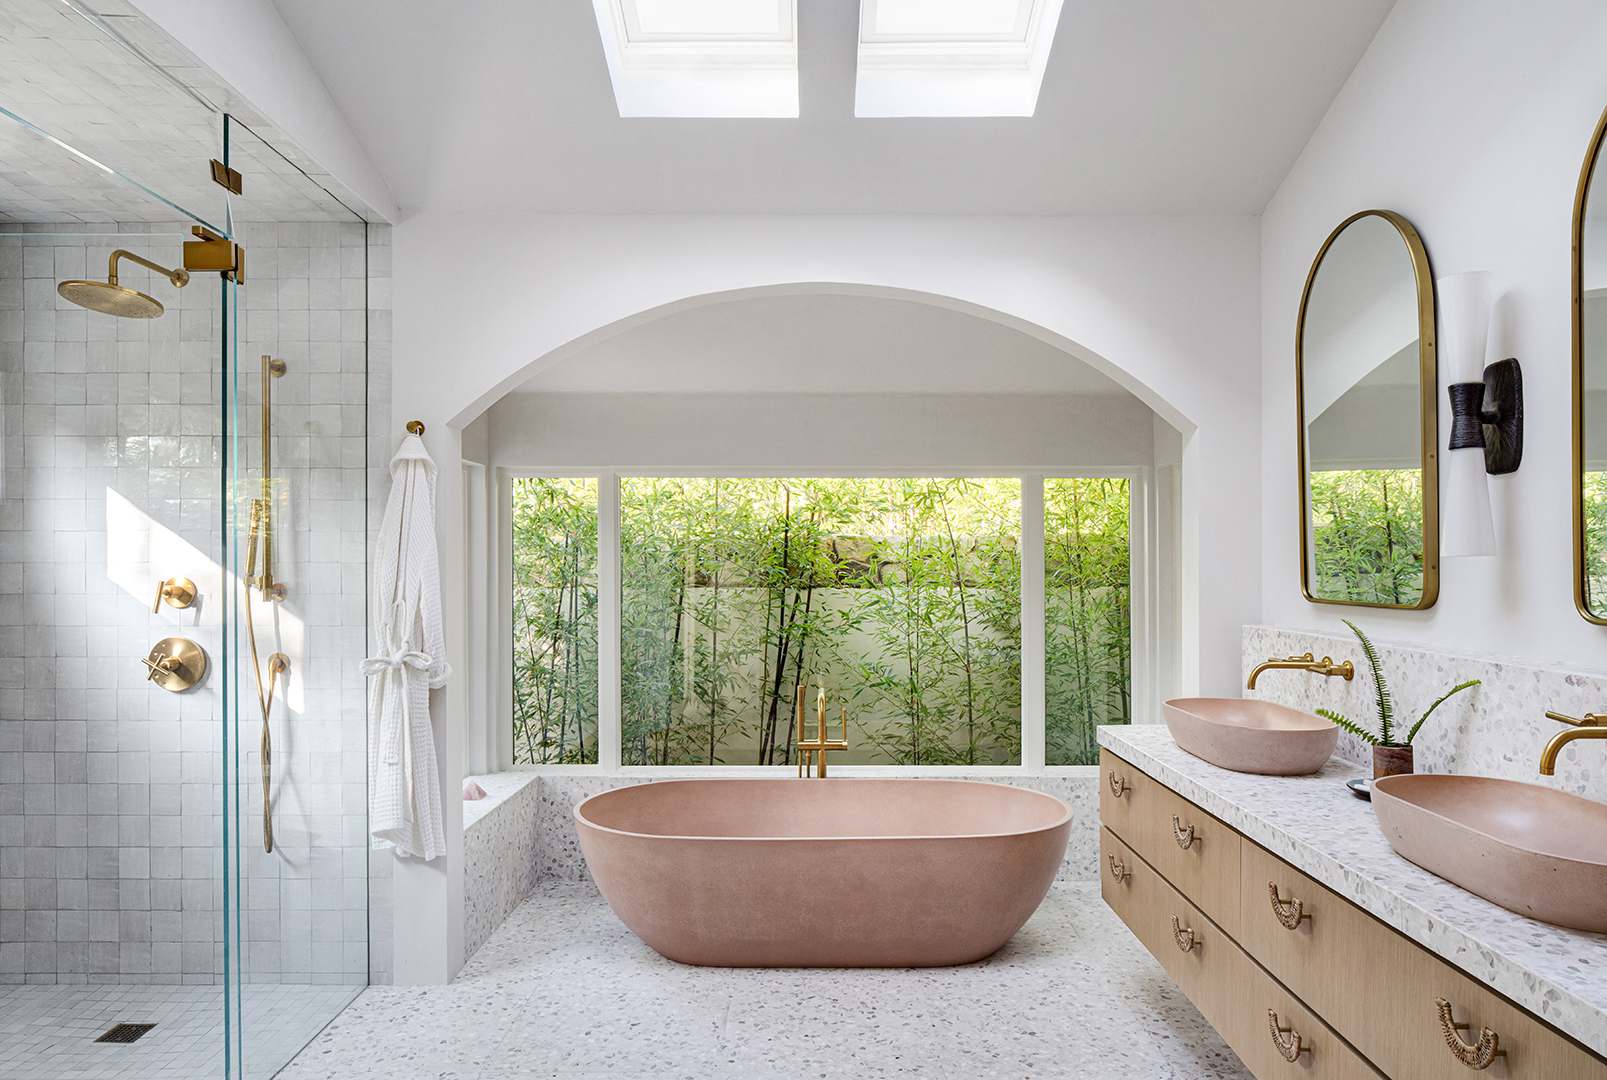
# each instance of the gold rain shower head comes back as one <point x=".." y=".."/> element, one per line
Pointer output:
<point x="110" y="298"/>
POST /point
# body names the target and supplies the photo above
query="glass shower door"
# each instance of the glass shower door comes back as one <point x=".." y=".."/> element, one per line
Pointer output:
<point x="296" y="529"/>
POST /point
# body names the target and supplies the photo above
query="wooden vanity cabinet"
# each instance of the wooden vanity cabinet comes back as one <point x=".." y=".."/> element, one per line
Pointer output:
<point x="1365" y="993"/>
<point x="1190" y="848"/>
<point x="1230" y="990"/>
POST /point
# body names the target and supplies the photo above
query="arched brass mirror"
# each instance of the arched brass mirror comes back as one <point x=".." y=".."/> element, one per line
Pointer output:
<point x="1365" y="395"/>
<point x="1590" y="385"/>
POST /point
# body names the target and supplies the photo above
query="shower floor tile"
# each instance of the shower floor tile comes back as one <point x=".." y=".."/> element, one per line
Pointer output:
<point x="562" y="989"/>
<point x="49" y="1032"/>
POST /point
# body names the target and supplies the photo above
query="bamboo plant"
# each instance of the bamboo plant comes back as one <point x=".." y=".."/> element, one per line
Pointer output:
<point x="1388" y="731"/>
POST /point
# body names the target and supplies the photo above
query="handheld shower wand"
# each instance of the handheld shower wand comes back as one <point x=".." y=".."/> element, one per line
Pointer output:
<point x="260" y="527"/>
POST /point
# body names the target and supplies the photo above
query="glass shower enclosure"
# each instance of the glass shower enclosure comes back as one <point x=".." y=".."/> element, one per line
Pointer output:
<point x="184" y="527"/>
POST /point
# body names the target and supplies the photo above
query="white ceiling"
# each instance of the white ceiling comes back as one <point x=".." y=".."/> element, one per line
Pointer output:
<point x="1148" y="106"/>
<point x="822" y="343"/>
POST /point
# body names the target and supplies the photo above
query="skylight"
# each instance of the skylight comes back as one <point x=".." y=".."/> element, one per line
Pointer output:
<point x="714" y="58"/>
<point x="953" y="57"/>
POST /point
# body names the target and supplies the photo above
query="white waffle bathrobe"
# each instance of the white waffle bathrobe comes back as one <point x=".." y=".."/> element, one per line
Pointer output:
<point x="404" y="787"/>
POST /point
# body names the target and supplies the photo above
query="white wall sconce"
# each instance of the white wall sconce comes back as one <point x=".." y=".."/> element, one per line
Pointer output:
<point x="1486" y="415"/>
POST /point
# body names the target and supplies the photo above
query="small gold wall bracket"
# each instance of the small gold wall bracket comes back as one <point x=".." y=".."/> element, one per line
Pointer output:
<point x="179" y="592"/>
<point x="226" y="177"/>
<point x="175" y="664"/>
<point x="214" y="254"/>
<point x="415" y="427"/>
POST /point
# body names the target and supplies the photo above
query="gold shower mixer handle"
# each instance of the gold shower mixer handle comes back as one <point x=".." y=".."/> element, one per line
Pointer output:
<point x="175" y="664"/>
<point x="179" y="592"/>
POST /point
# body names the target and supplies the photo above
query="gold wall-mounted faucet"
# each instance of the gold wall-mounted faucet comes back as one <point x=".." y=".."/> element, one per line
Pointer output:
<point x="1592" y="726"/>
<point x="817" y="747"/>
<point x="1325" y="666"/>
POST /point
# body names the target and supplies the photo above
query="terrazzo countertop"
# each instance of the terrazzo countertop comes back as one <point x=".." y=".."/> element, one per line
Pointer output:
<point x="1317" y="826"/>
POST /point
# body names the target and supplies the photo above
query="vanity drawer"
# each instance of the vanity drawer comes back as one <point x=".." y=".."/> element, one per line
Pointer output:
<point x="1231" y="992"/>
<point x="1147" y="904"/>
<point x="1378" y="987"/>
<point x="1141" y="812"/>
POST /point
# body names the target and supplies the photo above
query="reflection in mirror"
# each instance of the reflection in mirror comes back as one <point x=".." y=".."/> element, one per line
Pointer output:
<point x="1364" y="358"/>
<point x="1590" y="386"/>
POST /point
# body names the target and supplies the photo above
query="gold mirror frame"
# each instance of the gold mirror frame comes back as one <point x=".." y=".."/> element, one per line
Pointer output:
<point x="1581" y="197"/>
<point x="1428" y="387"/>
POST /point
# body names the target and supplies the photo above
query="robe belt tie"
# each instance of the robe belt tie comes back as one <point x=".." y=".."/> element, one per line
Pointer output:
<point x="398" y="748"/>
<point x="379" y="665"/>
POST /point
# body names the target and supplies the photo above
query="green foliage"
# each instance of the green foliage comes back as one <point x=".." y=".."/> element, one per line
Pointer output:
<point x="1349" y="725"/>
<point x="1386" y="708"/>
<point x="1595" y="507"/>
<point x="901" y="596"/>
<point x="1421" y="720"/>
<point x="555" y="621"/>
<point x="1387" y="730"/>
<point x="1367" y="535"/>
<point x="1088" y="615"/>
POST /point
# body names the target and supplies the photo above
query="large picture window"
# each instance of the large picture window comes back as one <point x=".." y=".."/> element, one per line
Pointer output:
<point x="901" y="597"/>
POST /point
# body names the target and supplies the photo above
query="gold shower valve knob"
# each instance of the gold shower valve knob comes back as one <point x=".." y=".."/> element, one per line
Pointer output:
<point x="175" y="664"/>
<point x="179" y="592"/>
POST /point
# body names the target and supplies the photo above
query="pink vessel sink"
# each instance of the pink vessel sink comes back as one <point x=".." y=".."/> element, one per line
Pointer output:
<point x="1538" y="852"/>
<point x="1251" y="736"/>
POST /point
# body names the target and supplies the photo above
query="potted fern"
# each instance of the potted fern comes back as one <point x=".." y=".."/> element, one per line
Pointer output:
<point x="1392" y="754"/>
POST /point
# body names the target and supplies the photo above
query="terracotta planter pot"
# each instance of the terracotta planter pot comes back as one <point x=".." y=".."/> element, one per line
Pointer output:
<point x="1391" y="761"/>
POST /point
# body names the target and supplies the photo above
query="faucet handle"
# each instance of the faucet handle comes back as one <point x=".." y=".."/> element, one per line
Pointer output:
<point x="1589" y="720"/>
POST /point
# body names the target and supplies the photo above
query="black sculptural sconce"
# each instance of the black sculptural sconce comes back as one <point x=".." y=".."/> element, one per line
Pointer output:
<point x="1489" y="414"/>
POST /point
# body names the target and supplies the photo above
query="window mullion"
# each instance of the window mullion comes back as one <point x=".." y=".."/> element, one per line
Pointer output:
<point x="1033" y="716"/>
<point x="609" y="598"/>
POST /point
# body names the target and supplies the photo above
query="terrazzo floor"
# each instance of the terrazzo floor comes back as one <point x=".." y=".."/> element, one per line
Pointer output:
<point x="562" y="989"/>
<point x="49" y="1032"/>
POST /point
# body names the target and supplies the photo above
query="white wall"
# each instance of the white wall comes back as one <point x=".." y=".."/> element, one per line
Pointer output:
<point x="1471" y="118"/>
<point x="833" y="433"/>
<point x="1165" y="307"/>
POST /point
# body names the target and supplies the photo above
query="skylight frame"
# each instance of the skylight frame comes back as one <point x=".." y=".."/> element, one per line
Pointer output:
<point x="954" y="75"/>
<point x="700" y="75"/>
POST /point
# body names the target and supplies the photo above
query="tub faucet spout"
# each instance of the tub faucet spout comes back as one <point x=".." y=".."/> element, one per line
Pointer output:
<point x="815" y="749"/>
<point x="1593" y="726"/>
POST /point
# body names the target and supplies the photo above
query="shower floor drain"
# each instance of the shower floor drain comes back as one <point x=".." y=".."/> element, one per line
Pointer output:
<point x="125" y="1033"/>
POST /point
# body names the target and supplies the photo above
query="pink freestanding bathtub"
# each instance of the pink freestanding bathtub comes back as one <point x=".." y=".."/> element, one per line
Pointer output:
<point x="823" y="873"/>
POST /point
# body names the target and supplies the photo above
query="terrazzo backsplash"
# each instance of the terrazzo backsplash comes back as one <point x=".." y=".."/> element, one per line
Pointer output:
<point x="1497" y="728"/>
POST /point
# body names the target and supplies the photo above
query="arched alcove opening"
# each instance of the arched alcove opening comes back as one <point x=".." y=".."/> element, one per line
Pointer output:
<point x="825" y="381"/>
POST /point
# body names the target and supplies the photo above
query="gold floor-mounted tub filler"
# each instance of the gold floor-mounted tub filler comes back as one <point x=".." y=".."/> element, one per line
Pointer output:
<point x="815" y="749"/>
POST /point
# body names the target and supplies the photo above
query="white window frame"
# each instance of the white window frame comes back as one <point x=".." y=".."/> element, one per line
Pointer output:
<point x="1146" y="630"/>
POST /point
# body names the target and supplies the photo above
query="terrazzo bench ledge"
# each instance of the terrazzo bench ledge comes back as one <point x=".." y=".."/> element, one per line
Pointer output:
<point x="500" y="864"/>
